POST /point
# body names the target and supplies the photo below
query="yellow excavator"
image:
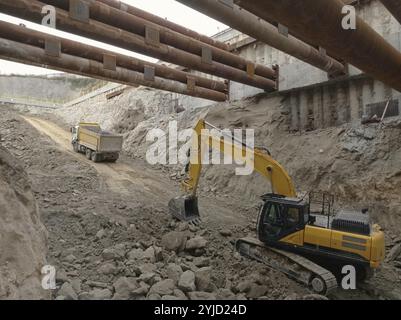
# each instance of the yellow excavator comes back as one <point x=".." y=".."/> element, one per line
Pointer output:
<point x="308" y="246"/>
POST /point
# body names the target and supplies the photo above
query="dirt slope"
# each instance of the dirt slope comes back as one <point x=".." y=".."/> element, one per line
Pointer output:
<point x="23" y="238"/>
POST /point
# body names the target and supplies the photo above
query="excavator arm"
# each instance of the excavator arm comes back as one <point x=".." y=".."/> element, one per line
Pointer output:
<point x="186" y="208"/>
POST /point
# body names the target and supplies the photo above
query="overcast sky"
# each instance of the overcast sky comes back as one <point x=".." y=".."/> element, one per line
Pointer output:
<point x="170" y="9"/>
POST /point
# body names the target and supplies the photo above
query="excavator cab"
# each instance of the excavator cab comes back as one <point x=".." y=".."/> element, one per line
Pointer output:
<point x="280" y="217"/>
<point x="185" y="208"/>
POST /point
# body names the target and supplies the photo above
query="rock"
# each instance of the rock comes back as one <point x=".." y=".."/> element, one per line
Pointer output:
<point x="201" y="262"/>
<point x="225" y="294"/>
<point x="244" y="286"/>
<point x="60" y="298"/>
<point x="163" y="288"/>
<point x="141" y="291"/>
<point x="100" y="234"/>
<point x="196" y="243"/>
<point x="114" y="253"/>
<point x="154" y="296"/>
<point x="67" y="292"/>
<point x="197" y="295"/>
<point x="70" y="258"/>
<point x="174" y="272"/>
<point x="158" y="254"/>
<point x="76" y="285"/>
<point x="61" y="276"/>
<point x="292" y="296"/>
<point x="136" y="254"/>
<point x="174" y="241"/>
<point x="394" y="253"/>
<point x="257" y="291"/>
<point x="145" y="268"/>
<point x="108" y="268"/>
<point x="149" y="255"/>
<point x="203" y="279"/>
<point x="179" y="294"/>
<point x="123" y="288"/>
<point x="187" y="281"/>
<point x="100" y="294"/>
<point x="226" y="233"/>
<point x="147" y="277"/>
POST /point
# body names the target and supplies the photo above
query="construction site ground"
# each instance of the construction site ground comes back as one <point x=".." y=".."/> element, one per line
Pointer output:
<point x="110" y="235"/>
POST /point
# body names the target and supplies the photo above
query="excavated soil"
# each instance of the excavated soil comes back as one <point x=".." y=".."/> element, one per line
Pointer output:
<point x="110" y="233"/>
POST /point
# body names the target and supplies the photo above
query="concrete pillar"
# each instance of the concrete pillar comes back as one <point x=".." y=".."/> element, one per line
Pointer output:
<point x="303" y="110"/>
<point x="318" y="107"/>
<point x="295" y="125"/>
<point x="355" y="101"/>
<point x="327" y="117"/>
<point x="367" y="91"/>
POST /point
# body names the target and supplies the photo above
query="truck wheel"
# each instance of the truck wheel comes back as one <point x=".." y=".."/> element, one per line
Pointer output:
<point x="95" y="157"/>
<point x="75" y="147"/>
<point x="88" y="154"/>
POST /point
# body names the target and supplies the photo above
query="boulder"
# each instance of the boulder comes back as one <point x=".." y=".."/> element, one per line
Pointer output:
<point x="174" y="241"/>
<point x="197" y="295"/>
<point x="187" y="281"/>
<point x="174" y="272"/>
<point x="67" y="292"/>
<point x="124" y="287"/>
<point x="163" y="288"/>
<point x="196" y="243"/>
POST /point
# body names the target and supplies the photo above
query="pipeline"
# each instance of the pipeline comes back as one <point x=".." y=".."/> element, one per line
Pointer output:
<point x="321" y="21"/>
<point x="134" y="24"/>
<point x="261" y="30"/>
<point x="35" y="38"/>
<point x="22" y="53"/>
<point x="31" y="10"/>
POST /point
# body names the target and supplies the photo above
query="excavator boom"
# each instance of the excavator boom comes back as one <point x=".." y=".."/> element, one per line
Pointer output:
<point x="207" y="137"/>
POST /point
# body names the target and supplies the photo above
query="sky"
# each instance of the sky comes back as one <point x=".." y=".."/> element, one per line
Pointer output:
<point x="170" y="9"/>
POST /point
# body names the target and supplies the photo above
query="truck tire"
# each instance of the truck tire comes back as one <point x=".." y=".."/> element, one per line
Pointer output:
<point x="88" y="154"/>
<point x="95" y="157"/>
<point x="75" y="146"/>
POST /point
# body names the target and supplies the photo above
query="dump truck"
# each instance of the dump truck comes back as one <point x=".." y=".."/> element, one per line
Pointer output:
<point x="98" y="145"/>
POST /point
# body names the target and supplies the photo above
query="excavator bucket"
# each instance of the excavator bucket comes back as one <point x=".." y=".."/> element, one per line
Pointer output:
<point x="185" y="208"/>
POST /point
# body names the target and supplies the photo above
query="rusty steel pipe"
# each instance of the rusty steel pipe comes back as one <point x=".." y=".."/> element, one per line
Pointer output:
<point x="394" y="6"/>
<point x="165" y="23"/>
<point x="321" y="20"/>
<point x="35" y="38"/>
<point x="22" y="53"/>
<point x="31" y="10"/>
<point x="131" y="23"/>
<point x="263" y="31"/>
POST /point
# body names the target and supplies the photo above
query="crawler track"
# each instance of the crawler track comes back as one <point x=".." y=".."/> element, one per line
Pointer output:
<point x="294" y="266"/>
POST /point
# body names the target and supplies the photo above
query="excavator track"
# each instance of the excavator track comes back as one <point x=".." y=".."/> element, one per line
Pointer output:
<point x="296" y="267"/>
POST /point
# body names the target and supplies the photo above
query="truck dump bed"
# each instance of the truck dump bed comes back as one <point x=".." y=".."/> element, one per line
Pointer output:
<point x="100" y="141"/>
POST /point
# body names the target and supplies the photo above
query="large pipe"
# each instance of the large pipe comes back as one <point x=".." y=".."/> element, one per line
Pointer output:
<point x="165" y="23"/>
<point x="261" y="30"/>
<point x="31" y="10"/>
<point x="131" y="23"/>
<point x="321" y="20"/>
<point x="22" y="53"/>
<point x="28" y="36"/>
<point x="394" y="6"/>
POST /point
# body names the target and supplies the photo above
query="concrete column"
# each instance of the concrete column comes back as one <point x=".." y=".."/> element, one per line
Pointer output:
<point x="318" y="107"/>
<point x="355" y="101"/>
<point x="367" y="91"/>
<point x="303" y="110"/>
<point x="327" y="117"/>
<point x="295" y="125"/>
